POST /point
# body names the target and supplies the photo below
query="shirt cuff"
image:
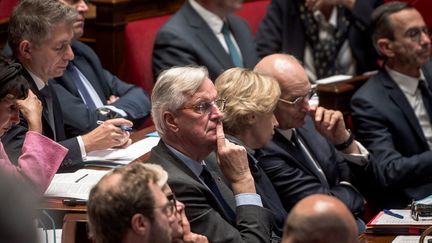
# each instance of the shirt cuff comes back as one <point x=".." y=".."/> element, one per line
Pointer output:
<point x="82" y="147"/>
<point x="117" y="110"/>
<point x="361" y="159"/>
<point x="248" y="199"/>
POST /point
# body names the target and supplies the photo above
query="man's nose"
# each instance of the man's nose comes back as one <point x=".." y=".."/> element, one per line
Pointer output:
<point x="82" y="7"/>
<point x="274" y="121"/>
<point x="69" y="55"/>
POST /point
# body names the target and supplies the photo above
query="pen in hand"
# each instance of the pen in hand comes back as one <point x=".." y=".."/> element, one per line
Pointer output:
<point x="82" y="177"/>
<point x="122" y="127"/>
<point x="388" y="212"/>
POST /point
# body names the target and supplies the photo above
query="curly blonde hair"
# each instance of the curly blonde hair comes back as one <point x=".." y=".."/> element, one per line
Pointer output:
<point x="246" y="92"/>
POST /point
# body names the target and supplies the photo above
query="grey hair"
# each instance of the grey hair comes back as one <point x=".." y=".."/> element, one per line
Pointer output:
<point x="172" y="88"/>
<point x="32" y="20"/>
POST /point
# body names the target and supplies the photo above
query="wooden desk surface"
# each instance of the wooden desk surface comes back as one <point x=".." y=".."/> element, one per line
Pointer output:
<point x="366" y="238"/>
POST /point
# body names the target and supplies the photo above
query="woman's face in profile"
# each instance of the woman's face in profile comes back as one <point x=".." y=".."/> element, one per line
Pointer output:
<point x="9" y="113"/>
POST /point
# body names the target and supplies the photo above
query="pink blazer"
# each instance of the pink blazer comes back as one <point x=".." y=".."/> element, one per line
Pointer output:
<point x="40" y="159"/>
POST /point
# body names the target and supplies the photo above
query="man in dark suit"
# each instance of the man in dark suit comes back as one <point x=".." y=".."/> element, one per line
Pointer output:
<point x="329" y="37"/>
<point x="43" y="48"/>
<point x="204" y="32"/>
<point x="302" y="158"/>
<point x="186" y="113"/>
<point x="392" y="110"/>
<point x="106" y="90"/>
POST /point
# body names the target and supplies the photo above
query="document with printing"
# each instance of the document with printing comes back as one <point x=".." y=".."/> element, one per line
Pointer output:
<point x="74" y="185"/>
<point x="408" y="239"/>
<point x="124" y="156"/>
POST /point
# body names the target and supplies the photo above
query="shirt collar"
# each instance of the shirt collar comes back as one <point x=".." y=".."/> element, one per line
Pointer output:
<point x="38" y="81"/>
<point x="213" y="21"/>
<point x="406" y="83"/>
<point x="287" y="133"/>
<point x="193" y="165"/>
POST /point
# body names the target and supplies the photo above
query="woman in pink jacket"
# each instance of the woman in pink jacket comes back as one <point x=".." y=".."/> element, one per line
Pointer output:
<point x="41" y="157"/>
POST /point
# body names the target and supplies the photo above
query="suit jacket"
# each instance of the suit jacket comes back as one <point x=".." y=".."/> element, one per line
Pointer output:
<point x="387" y="126"/>
<point x="13" y="140"/>
<point x="282" y="31"/>
<point x="39" y="161"/>
<point x="294" y="179"/>
<point x="206" y="215"/>
<point x="132" y="100"/>
<point x="186" y="39"/>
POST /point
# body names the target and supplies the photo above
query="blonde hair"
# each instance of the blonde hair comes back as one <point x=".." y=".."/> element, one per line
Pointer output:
<point x="246" y="92"/>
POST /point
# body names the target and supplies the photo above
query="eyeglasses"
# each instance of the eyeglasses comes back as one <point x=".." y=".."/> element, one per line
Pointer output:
<point x="415" y="33"/>
<point x="170" y="208"/>
<point x="299" y="99"/>
<point x="205" y="107"/>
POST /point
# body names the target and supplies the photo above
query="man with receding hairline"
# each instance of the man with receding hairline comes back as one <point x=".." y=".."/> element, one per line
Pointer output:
<point x="320" y="219"/>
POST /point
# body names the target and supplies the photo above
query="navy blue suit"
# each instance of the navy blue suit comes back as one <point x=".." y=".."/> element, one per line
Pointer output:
<point x="387" y="126"/>
<point x="186" y="39"/>
<point x="295" y="179"/>
<point x="79" y="120"/>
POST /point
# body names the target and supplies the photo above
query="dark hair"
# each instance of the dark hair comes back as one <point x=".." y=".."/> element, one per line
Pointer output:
<point x="111" y="207"/>
<point x="11" y="80"/>
<point x="381" y="26"/>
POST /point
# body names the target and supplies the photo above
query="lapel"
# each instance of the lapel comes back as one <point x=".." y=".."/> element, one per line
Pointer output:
<point x="397" y="96"/>
<point x="206" y="36"/>
<point x="170" y="158"/>
<point x="46" y="126"/>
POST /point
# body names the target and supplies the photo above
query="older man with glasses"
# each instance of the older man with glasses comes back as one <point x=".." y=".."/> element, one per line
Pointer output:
<point x="220" y="198"/>
<point x="303" y="157"/>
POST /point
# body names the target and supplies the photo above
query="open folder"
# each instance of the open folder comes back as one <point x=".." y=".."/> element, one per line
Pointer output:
<point x="387" y="224"/>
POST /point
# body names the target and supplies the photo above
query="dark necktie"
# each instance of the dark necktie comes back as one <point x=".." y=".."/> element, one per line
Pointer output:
<point x="235" y="55"/>
<point x="81" y="88"/>
<point x="46" y="93"/>
<point x="426" y="97"/>
<point x="211" y="183"/>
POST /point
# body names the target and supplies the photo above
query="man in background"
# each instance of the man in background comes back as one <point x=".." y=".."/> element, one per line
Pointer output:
<point x="320" y="218"/>
<point x="86" y="87"/>
<point x="392" y="111"/>
<point x="328" y="36"/>
<point x="40" y="33"/>
<point x="205" y="33"/>
<point x="303" y="157"/>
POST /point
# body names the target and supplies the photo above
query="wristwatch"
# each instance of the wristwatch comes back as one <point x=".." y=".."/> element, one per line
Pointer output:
<point x="347" y="143"/>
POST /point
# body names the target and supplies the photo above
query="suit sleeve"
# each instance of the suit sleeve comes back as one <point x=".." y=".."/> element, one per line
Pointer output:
<point x="293" y="184"/>
<point x="170" y="50"/>
<point x="391" y="168"/>
<point x="269" y="35"/>
<point x="13" y="142"/>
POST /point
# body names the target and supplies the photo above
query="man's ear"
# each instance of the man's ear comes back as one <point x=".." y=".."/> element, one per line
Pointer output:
<point x="170" y="121"/>
<point x="24" y="49"/>
<point x="140" y="224"/>
<point x="386" y="47"/>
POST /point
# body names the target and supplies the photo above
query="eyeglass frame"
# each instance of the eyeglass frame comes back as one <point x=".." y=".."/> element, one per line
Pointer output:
<point x="170" y="207"/>
<point x="300" y="99"/>
<point x="200" y="109"/>
<point x="415" y="34"/>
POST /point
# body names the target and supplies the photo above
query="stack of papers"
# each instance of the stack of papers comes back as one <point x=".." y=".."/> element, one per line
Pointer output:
<point x="74" y="185"/>
<point x="408" y="239"/>
<point x="43" y="234"/>
<point x="387" y="224"/>
<point x="124" y="156"/>
<point x="333" y="79"/>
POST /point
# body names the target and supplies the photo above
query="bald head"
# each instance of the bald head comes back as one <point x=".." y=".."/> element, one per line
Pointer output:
<point x="320" y="219"/>
<point x="293" y="82"/>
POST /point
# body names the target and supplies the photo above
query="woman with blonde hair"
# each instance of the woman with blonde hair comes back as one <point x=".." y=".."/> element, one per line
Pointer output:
<point x="249" y="121"/>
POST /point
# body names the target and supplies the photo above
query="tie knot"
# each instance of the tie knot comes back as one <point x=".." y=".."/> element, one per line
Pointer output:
<point x="225" y="28"/>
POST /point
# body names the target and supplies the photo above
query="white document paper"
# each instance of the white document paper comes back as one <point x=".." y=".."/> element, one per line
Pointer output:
<point x="75" y="185"/>
<point x="125" y="156"/>
<point x="333" y="79"/>
<point x="409" y="239"/>
<point x="50" y="233"/>
<point x="384" y="219"/>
